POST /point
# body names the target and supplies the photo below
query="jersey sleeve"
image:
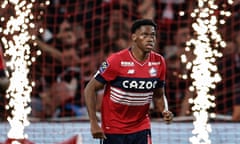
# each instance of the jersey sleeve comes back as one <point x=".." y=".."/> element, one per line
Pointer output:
<point x="162" y="76"/>
<point x="163" y="70"/>
<point x="107" y="70"/>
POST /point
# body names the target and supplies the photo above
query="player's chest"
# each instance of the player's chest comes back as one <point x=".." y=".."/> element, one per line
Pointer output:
<point x="146" y="70"/>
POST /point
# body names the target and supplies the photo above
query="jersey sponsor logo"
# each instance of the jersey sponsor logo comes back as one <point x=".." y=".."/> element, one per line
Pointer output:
<point x="153" y="72"/>
<point x="153" y="63"/>
<point x="103" y="66"/>
<point x="141" y="84"/>
<point x="127" y="63"/>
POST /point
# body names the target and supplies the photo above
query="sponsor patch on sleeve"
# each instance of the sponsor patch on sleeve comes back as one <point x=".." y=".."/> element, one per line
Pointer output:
<point x="103" y="67"/>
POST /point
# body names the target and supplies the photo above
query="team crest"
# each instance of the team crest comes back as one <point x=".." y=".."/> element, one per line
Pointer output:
<point x="153" y="72"/>
<point x="103" y="67"/>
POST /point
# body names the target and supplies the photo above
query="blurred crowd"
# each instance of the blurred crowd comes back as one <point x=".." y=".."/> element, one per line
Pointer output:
<point x="79" y="34"/>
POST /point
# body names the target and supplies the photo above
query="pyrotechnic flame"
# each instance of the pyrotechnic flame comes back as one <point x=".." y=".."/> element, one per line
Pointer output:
<point x="204" y="72"/>
<point x="15" y="41"/>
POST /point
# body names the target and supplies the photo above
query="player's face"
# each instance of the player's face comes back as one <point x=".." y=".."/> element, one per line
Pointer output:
<point x="145" y="38"/>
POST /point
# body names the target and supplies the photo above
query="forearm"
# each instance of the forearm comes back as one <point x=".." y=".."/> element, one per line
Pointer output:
<point x="158" y="104"/>
<point x="165" y="103"/>
<point x="90" y="99"/>
<point x="49" y="49"/>
<point x="158" y="100"/>
<point x="161" y="105"/>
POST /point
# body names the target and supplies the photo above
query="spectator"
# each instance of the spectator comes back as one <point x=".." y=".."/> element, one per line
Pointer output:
<point x="117" y="36"/>
<point x="236" y="106"/>
<point x="224" y="89"/>
<point x="176" y="85"/>
<point x="61" y="82"/>
<point x="146" y="9"/>
<point x="123" y="11"/>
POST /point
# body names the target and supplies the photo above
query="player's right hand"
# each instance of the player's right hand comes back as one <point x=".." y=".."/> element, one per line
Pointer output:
<point x="97" y="132"/>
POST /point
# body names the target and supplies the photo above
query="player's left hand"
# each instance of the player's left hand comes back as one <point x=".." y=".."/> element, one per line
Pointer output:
<point x="167" y="116"/>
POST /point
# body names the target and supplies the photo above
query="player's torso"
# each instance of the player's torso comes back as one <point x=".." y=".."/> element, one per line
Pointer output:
<point x="135" y="76"/>
<point x="127" y="97"/>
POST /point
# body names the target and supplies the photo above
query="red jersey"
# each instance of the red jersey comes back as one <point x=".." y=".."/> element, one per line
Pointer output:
<point x="129" y="90"/>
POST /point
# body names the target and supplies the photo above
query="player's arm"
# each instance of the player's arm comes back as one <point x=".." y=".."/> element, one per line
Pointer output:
<point x="90" y="98"/>
<point x="161" y="104"/>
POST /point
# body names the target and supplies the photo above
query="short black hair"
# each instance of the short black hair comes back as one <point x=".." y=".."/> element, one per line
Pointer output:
<point x="141" y="22"/>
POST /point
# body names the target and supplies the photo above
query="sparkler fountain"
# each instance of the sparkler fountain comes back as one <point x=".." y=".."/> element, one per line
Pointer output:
<point x="15" y="39"/>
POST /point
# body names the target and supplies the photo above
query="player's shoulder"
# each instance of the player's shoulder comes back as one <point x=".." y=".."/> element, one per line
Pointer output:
<point x="120" y="54"/>
<point x="156" y="55"/>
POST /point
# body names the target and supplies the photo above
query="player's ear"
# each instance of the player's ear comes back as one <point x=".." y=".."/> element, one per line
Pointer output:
<point x="134" y="37"/>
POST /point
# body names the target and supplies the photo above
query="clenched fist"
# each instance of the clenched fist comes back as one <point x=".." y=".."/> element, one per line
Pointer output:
<point x="167" y="116"/>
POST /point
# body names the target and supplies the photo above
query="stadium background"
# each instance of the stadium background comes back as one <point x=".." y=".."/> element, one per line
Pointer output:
<point x="73" y="50"/>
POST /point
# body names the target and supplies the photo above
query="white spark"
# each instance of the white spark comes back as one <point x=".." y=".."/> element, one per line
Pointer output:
<point x="204" y="72"/>
<point x="15" y="41"/>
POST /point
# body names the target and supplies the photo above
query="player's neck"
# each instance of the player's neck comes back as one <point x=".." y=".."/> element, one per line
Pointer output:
<point x="138" y="54"/>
